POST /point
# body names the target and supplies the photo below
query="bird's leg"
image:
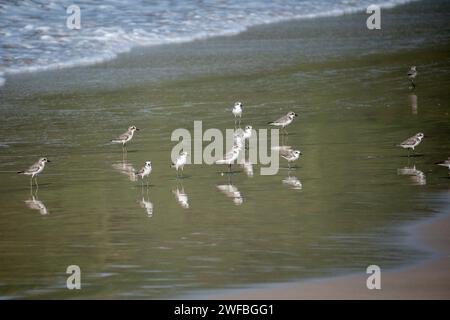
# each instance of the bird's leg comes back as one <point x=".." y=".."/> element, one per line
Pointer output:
<point x="289" y="165"/>
<point x="31" y="184"/>
<point x="229" y="168"/>
<point x="37" y="185"/>
<point x="147" y="183"/>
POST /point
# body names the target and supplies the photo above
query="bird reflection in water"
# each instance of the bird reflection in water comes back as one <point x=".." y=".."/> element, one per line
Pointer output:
<point x="181" y="196"/>
<point x="248" y="168"/>
<point x="126" y="168"/>
<point x="146" y="204"/>
<point x="417" y="177"/>
<point x="293" y="182"/>
<point x="231" y="191"/>
<point x="35" y="204"/>
<point x="413" y="103"/>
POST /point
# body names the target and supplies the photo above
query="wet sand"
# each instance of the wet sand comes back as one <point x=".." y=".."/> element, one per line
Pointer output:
<point x="347" y="83"/>
<point x="427" y="280"/>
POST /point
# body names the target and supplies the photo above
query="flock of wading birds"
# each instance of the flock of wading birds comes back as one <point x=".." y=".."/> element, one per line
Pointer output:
<point x="240" y="137"/>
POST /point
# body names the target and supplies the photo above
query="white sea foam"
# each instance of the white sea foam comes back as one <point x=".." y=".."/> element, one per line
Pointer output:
<point x="28" y="44"/>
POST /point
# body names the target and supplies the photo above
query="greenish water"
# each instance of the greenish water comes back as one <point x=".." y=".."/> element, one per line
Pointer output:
<point x="347" y="84"/>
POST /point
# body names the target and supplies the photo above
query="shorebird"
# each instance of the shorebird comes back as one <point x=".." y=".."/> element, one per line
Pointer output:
<point x="412" y="74"/>
<point x="34" y="170"/>
<point x="246" y="133"/>
<point x="180" y="162"/>
<point x="445" y="163"/>
<point x="290" y="155"/>
<point x="230" y="156"/>
<point x="237" y="112"/>
<point x="125" y="137"/>
<point x="241" y="136"/>
<point x="145" y="171"/>
<point x="412" y="142"/>
<point x="284" y="121"/>
<point x="239" y="141"/>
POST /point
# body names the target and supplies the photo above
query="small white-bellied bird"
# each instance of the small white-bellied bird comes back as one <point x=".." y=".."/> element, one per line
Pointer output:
<point x="412" y="142"/>
<point x="290" y="155"/>
<point x="237" y="111"/>
<point x="445" y="163"/>
<point x="180" y="162"/>
<point x="145" y="171"/>
<point x="126" y="136"/>
<point x="35" y="169"/>
<point x="412" y="74"/>
<point x="284" y="121"/>
<point x="247" y="132"/>
<point x="230" y="156"/>
<point x="241" y="136"/>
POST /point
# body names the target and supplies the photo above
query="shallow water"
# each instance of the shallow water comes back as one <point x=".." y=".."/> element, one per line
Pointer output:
<point x="34" y="35"/>
<point x="353" y="110"/>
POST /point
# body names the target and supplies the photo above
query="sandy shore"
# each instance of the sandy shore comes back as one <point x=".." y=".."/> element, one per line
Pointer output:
<point x="427" y="280"/>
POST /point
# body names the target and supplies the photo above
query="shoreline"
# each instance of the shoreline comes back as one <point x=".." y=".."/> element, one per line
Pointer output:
<point x="424" y="279"/>
<point x="102" y="59"/>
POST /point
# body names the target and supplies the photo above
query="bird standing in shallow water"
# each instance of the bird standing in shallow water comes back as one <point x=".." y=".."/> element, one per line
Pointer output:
<point x="237" y="112"/>
<point x="242" y="135"/>
<point x="412" y="74"/>
<point x="412" y="142"/>
<point x="145" y="171"/>
<point x="290" y="155"/>
<point x="34" y="170"/>
<point x="125" y="137"/>
<point x="180" y="162"/>
<point x="230" y="156"/>
<point x="284" y="121"/>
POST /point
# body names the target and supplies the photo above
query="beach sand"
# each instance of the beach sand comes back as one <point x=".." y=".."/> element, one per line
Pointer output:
<point x="427" y="280"/>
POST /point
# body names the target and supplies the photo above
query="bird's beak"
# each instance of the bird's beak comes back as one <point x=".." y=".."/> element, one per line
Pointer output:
<point x="296" y="114"/>
<point x="137" y="129"/>
<point x="48" y="161"/>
